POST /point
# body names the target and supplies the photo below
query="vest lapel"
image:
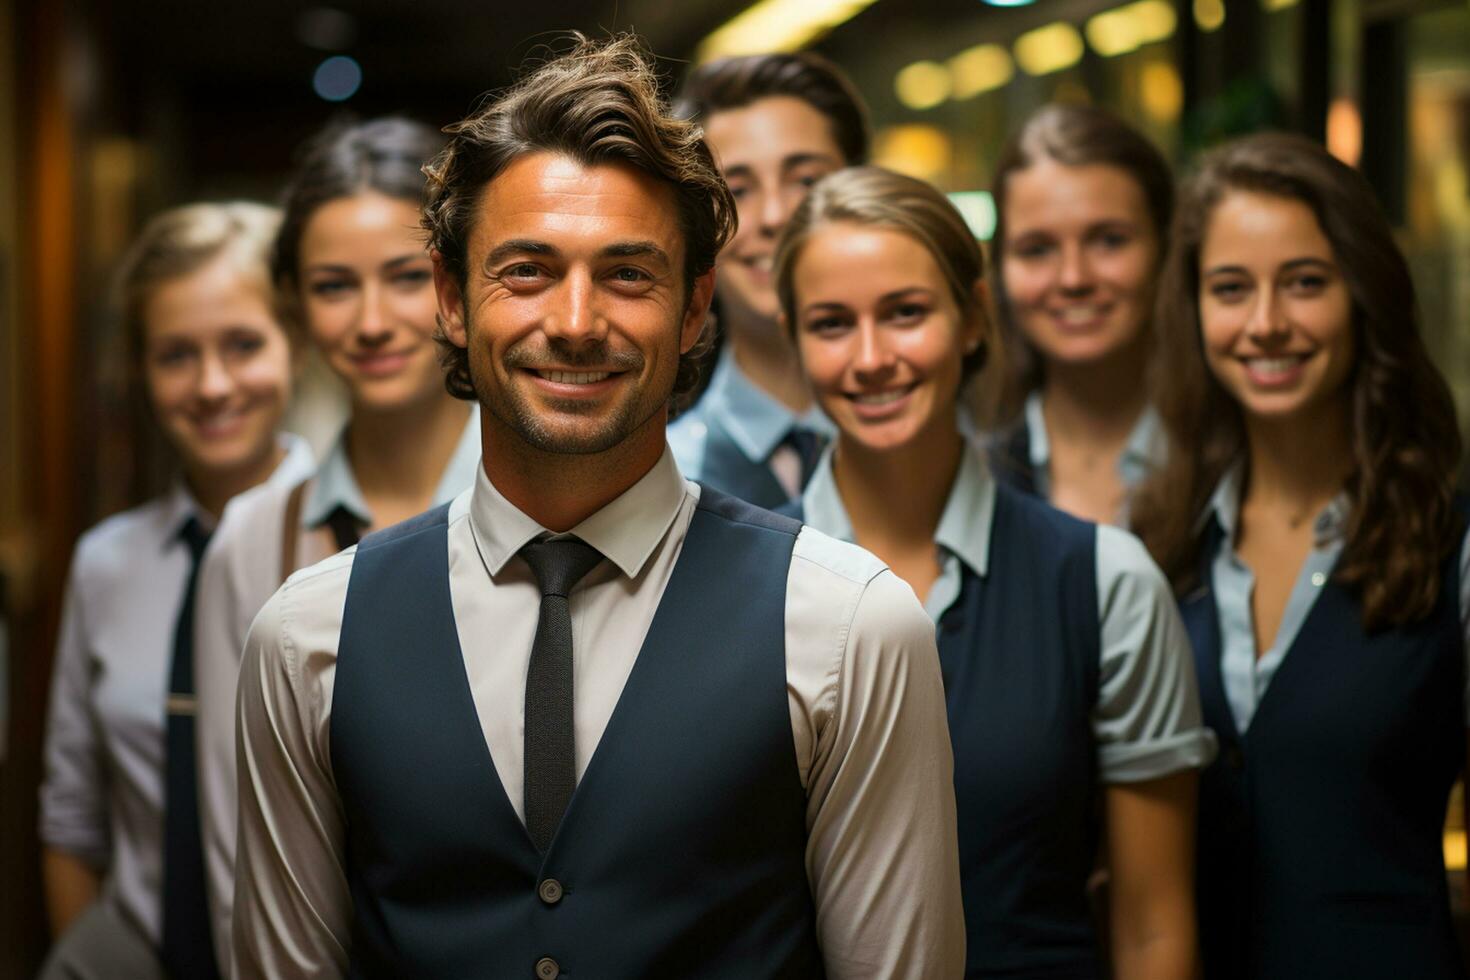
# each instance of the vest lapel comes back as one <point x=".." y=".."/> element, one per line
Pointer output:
<point x="727" y="468"/>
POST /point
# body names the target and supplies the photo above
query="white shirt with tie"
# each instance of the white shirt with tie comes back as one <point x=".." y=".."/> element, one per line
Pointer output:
<point x="863" y="685"/>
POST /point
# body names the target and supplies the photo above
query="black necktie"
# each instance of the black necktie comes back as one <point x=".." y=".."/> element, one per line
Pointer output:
<point x="187" y="950"/>
<point x="808" y="446"/>
<point x="345" y="529"/>
<point x="551" y="761"/>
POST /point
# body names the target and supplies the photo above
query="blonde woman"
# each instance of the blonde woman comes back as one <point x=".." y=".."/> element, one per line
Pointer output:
<point x="119" y="822"/>
<point x="1071" y="700"/>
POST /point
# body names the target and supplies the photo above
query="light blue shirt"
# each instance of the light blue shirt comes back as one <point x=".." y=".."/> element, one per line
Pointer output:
<point x="1246" y="676"/>
<point x="756" y="422"/>
<point x="1147" y="719"/>
<point x="1142" y="454"/>
<point x="336" y="486"/>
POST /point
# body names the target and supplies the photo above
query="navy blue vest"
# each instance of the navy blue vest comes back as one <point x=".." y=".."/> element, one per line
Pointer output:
<point x="726" y="468"/>
<point x="682" y="851"/>
<point x="1019" y="650"/>
<point x="1319" y="847"/>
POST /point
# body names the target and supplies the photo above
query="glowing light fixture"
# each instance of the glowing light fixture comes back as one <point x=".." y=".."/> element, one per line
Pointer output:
<point x="916" y="149"/>
<point x="1345" y="131"/>
<point x="1209" y="15"/>
<point x="1127" y="28"/>
<point x="1010" y="3"/>
<point x="980" y="69"/>
<point x="337" y="79"/>
<point x="1049" y="49"/>
<point x="778" y="25"/>
<point x="1162" y="92"/>
<point x="922" y="85"/>
<point x="1274" y="5"/>
<point x="978" y="210"/>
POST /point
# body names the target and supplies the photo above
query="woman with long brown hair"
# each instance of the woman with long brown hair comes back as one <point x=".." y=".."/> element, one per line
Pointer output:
<point x="1307" y="517"/>
<point x="1083" y="204"/>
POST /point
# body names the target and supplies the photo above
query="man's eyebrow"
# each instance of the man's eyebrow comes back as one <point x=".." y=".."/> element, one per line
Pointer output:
<point x="517" y="246"/>
<point x="802" y="159"/>
<point x="631" y="250"/>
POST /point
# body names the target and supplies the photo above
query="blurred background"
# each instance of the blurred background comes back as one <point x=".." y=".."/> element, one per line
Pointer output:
<point x="110" y="112"/>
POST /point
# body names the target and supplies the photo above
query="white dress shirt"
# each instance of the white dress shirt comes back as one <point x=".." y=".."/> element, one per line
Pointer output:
<point x="240" y="571"/>
<point x="863" y="685"/>
<point x="102" y="795"/>
<point x="1147" y="720"/>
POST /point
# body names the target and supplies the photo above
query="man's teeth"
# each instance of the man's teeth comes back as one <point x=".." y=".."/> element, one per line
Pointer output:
<point x="882" y="397"/>
<point x="763" y="264"/>
<point x="575" y="377"/>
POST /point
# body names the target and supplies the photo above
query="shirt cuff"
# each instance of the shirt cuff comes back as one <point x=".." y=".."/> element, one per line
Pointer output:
<point x="1137" y="762"/>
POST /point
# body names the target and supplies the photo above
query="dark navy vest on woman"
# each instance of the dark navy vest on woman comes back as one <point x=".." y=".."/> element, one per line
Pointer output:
<point x="1320" y="828"/>
<point x="1019" y="649"/>
<point x="682" y="851"/>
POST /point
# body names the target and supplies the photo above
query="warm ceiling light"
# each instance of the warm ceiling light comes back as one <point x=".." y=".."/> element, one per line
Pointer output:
<point x="1049" y="49"/>
<point x="922" y="85"/>
<point x="1162" y="91"/>
<point x="1277" y="4"/>
<point x="1127" y="28"/>
<point x="1209" y="15"/>
<point x="1345" y="131"/>
<point x="778" y="25"/>
<point x="980" y="69"/>
<point x="915" y="149"/>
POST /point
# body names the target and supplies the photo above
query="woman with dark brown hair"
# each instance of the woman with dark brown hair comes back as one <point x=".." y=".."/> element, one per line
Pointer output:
<point x="351" y="270"/>
<point x="1082" y="209"/>
<point x="1307" y="516"/>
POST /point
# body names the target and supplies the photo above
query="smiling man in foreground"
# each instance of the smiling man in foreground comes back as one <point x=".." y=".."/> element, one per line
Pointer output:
<point x="590" y="719"/>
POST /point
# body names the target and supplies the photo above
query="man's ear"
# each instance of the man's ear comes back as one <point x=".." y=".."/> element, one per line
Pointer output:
<point x="695" y="314"/>
<point x="451" y="302"/>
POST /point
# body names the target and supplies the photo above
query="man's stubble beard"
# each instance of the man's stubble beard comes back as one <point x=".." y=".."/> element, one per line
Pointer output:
<point x="509" y="406"/>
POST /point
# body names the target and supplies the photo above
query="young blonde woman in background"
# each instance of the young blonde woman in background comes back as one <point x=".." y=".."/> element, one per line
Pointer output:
<point x="119" y="817"/>
<point x="1071" y="700"/>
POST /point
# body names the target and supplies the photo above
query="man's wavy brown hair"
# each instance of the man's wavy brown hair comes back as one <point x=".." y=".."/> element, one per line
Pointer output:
<point x="599" y="102"/>
<point x="1406" y="442"/>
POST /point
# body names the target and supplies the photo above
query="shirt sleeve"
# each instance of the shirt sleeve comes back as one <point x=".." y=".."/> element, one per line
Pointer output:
<point x="882" y="849"/>
<point x="1147" y="720"/>
<point x="220" y="626"/>
<point x="292" y="906"/>
<point x="73" y="799"/>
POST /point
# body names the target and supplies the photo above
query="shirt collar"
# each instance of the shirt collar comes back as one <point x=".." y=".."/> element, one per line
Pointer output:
<point x="626" y="531"/>
<point x="179" y="503"/>
<point x="755" y="421"/>
<point x="336" y="486"/>
<point x="964" y="526"/>
<point x="1224" y="506"/>
<point x="1143" y="452"/>
<point x="179" y="506"/>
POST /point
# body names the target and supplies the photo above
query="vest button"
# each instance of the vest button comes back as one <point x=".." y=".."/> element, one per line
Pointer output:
<point x="546" y="969"/>
<point x="550" y="891"/>
<point x="1233" y="758"/>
